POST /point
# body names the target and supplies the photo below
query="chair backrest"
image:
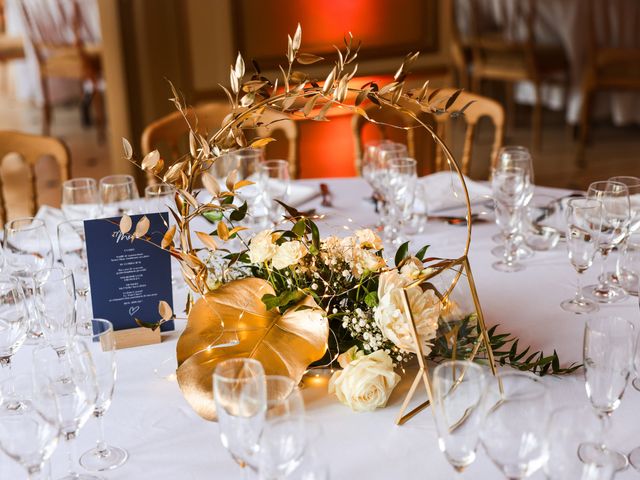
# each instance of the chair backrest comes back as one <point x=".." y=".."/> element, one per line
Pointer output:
<point x="28" y="149"/>
<point x="274" y="121"/>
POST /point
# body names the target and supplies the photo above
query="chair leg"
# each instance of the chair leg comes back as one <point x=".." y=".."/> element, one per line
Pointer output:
<point x="537" y="118"/>
<point x="46" y="106"/>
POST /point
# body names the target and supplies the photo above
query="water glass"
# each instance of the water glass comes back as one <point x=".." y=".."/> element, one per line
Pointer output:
<point x="274" y="183"/>
<point x="584" y="221"/>
<point x="514" y="433"/>
<point x="101" y="342"/>
<point x="615" y="217"/>
<point x="159" y="197"/>
<point x="400" y="192"/>
<point x="55" y="304"/>
<point x="80" y="199"/>
<point x="73" y="254"/>
<point x="245" y="162"/>
<point x="29" y="423"/>
<point x="14" y="320"/>
<point x="458" y="392"/>
<point x="118" y="194"/>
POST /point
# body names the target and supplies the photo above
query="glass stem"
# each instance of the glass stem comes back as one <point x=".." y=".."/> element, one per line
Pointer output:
<point x="579" y="296"/>
<point x="603" y="267"/>
<point x="71" y="453"/>
<point x="101" y="446"/>
<point x="508" y="249"/>
<point x="38" y="472"/>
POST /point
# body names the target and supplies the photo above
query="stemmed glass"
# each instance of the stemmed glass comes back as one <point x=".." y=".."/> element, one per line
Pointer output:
<point x="101" y="342"/>
<point x="608" y="351"/>
<point x="55" y="303"/>
<point x="514" y="431"/>
<point x="400" y="192"/>
<point x="458" y="393"/>
<point x="245" y="162"/>
<point x="118" y="194"/>
<point x="14" y="320"/>
<point x="73" y="254"/>
<point x="159" y="196"/>
<point x="80" y="199"/>
<point x="29" y="423"/>
<point x="619" y="277"/>
<point x="274" y="183"/>
<point x="584" y="221"/>
<point x="72" y="379"/>
<point x="27" y="249"/>
<point x="240" y="395"/>
<point x="386" y="152"/>
<point x="368" y="167"/>
<point x="509" y="186"/>
<point x="615" y="216"/>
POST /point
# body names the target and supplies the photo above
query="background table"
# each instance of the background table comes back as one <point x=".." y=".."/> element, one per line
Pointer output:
<point x="168" y="441"/>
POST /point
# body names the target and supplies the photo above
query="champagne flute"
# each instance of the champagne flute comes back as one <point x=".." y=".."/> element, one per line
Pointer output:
<point x="14" y="320"/>
<point x="80" y="199"/>
<point x="619" y="276"/>
<point x="514" y="431"/>
<point x="72" y="379"/>
<point x="29" y="423"/>
<point x="73" y="254"/>
<point x="101" y="342"/>
<point x="584" y="221"/>
<point x="458" y="392"/>
<point x="608" y="354"/>
<point x="275" y="184"/>
<point x="615" y="216"/>
<point x="400" y="191"/>
<point x="118" y="194"/>
<point x="55" y="303"/>
<point x="509" y="190"/>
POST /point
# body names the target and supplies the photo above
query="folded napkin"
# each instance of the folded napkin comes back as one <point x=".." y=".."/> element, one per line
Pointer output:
<point x="443" y="191"/>
<point x="301" y="193"/>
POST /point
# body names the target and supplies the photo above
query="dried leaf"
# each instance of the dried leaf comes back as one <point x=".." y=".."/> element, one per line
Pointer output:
<point x="297" y="38"/>
<point x="165" y="311"/>
<point x="167" y="239"/>
<point x="125" y="224"/>
<point x="232" y="178"/>
<point x="261" y="142"/>
<point x="193" y="146"/>
<point x="142" y="227"/>
<point x="452" y="99"/>
<point x="235" y="85"/>
<point x="189" y="198"/>
<point x="328" y="83"/>
<point x="128" y="151"/>
<point x="207" y="240"/>
<point x="211" y="184"/>
<point x="308" y="58"/>
<point x="242" y="183"/>
<point x="235" y="230"/>
<point x="150" y="160"/>
<point x="322" y="114"/>
<point x="223" y="231"/>
<point x="239" y="66"/>
<point x="288" y="102"/>
<point x="308" y="107"/>
<point x="254" y="85"/>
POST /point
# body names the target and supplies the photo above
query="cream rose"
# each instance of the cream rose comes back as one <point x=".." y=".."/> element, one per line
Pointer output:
<point x="412" y="268"/>
<point x="366" y="381"/>
<point x="288" y="253"/>
<point x="368" y="239"/>
<point x="390" y="314"/>
<point x="368" y="260"/>
<point x="262" y="248"/>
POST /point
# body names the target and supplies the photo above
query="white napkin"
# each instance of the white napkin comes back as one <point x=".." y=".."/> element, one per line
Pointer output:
<point x="443" y="191"/>
<point x="51" y="217"/>
<point x="301" y="193"/>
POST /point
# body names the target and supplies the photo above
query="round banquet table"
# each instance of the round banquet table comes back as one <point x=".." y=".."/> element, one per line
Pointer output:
<point x="166" y="440"/>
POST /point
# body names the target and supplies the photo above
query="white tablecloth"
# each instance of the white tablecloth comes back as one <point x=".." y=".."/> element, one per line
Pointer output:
<point x="168" y="441"/>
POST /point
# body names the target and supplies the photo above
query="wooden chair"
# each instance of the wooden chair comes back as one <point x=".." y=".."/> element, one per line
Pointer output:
<point x="481" y="107"/>
<point x="613" y="63"/>
<point x="64" y="48"/>
<point x="170" y="133"/>
<point x="500" y="53"/>
<point x="18" y="191"/>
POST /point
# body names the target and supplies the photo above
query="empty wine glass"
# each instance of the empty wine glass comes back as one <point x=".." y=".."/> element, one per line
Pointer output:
<point x="101" y="342"/>
<point x="72" y="380"/>
<point x="386" y="152"/>
<point x="55" y="302"/>
<point x="80" y="199"/>
<point x="368" y="167"/>
<point x="400" y="192"/>
<point x="458" y="392"/>
<point x="29" y="423"/>
<point x="73" y="254"/>
<point x="584" y="221"/>
<point x="608" y="354"/>
<point x="239" y="392"/>
<point x="14" y="320"/>
<point x="159" y="196"/>
<point x="118" y="194"/>
<point x="275" y="184"/>
<point x="619" y="277"/>
<point x="27" y="249"/>
<point x="615" y="216"/>
<point x="514" y="431"/>
<point x="509" y="186"/>
<point x="245" y="162"/>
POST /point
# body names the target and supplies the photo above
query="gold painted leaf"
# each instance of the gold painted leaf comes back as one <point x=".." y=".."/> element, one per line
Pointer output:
<point x="142" y="227"/>
<point x="242" y="183"/>
<point x="150" y="160"/>
<point x="189" y="198"/>
<point x="261" y="142"/>
<point x="208" y="241"/>
<point x="297" y="38"/>
<point x="231" y="179"/>
<point x="167" y="239"/>
<point x="128" y="151"/>
<point x="165" y="310"/>
<point x="285" y="345"/>
<point x="125" y="224"/>
<point x="308" y="58"/>
<point x="211" y="184"/>
<point x="223" y="231"/>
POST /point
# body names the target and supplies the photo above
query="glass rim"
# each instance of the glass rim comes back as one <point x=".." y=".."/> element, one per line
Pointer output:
<point x="219" y="377"/>
<point x="273" y="165"/>
<point x="402" y="161"/>
<point x="541" y="389"/>
<point x="606" y="182"/>
<point x="595" y="203"/>
<point x="32" y="220"/>
<point x="158" y="188"/>
<point x="109" y="327"/>
<point x="593" y="321"/>
<point x="66" y="272"/>
<point x="619" y="178"/>
<point x="110" y="180"/>
<point x="247" y="152"/>
<point x="450" y="362"/>
<point x="69" y="184"/>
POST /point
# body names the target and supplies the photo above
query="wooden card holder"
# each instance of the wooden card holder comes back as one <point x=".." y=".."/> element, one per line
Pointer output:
<point x="136" y="337"/>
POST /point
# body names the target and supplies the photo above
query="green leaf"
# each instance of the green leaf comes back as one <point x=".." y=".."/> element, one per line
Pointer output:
<point x="299" y="228"/>
<point x="402" y="253"/>
<point x="283" y="300"/>
<point x="315" y="235"/>
<point x="238" y="214"/>
<point x="213" y="216"/>
<point x="151" y="325"/>
<point x="420" y="254"/>
<point x="371" y="299"/>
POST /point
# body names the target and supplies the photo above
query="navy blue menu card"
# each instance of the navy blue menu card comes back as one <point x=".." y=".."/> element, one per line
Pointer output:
<point x="128" y="276"/>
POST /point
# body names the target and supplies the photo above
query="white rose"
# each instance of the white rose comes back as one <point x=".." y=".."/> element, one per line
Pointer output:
<point x="262" y="248"/>
<point x="369" y="239"/>
<point x="411" y="268"/>
<point x="368" y="260"/>
<point x="366" y="382"/>
<point x="288" y="253"/>
<point x="390" y="314"/>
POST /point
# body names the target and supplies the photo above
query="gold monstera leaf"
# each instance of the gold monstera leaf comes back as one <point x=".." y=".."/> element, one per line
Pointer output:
<point x="284" y="344"/>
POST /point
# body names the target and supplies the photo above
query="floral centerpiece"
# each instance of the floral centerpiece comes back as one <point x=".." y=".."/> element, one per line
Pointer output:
<point x="289" y="297"/>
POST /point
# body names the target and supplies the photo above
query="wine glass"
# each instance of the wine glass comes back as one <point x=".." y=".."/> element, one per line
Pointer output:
<point x="240" y="396"/>
<point x="458" y="392"/>
<point x="608" y="354"/>
<point x="29" y="423"/>
<point x="509" y="190"/>
<point x="118" y="194"/>
<point x="159" y="196"/>
<point x="73" y="254"/>
<point x="245" y="162"/>
<point x="27" y="249"/>
<point x="101" y="342"/>
<point x="55" y="303"/>
<point x="569" y="429"/>
<point x="14" y="320"/>
<point x="368" y="167"/>
<point x="72" y="379"/>
<point x="400" y="192"/>
<point x="584" y="221"/>
<point x="514" y="431"/>
<point x="615" y="216"/>
<point x="80" y="199"/>
<point x="274" y="183"/>
<point x="620" y="276"/>
<point x="386" y="152"/>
